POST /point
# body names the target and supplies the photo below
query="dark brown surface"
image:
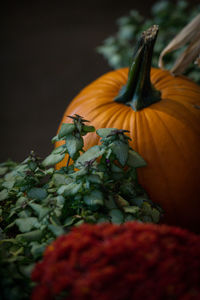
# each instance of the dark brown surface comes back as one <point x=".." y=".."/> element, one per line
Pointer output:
<point x="47" y="56"/>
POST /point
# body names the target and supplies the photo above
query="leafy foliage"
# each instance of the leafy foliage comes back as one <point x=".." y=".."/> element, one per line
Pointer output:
<point x="39" y="203"/>
<point x="171" y="18"/>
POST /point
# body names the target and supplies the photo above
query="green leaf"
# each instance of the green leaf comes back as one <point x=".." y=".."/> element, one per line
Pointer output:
<point x="56" y="230"/>
<point x="80" y="173"/>
<point x="59" y="179"/>
<point x="18" y="171"/>
<point x="13" y="211"/>
<point x="26" y="270"/>
<point x="155" y="215"/>
<point x="104" y="132"/>
<point x="109" y="202"/>
<point x="91" y="219"/>
<point x="69" y="221"/>
<point x="60" y="200"/>
<point x="37" y="193"/>
<point x="59" y="149"/>
<point x="87" y="128"/>
<point x="32" y="165"/>
<point x="130" y="217"/>
<point x="116" y="169"/>
<point x="121" y="202"/>
<point x="95" y="198"/>
<point x="3" y="170"/>
<point x="159" y="7"/>
<point x="3" y="195"/>
<point x="89" y="155"/>
<point x="146" y="207"/>
<point x="38" y="249"/>
<point x="21" y="200"/>
<point x="116" y="216"/>
<point x="128" y="188"/>
<point x="8" y="184"/>
<point x="121" y="150"/>
<point x="34" y="235"/>
<point x="15" y="251"/>
<point x="79" y="223"/>
<point x="54" y="220"/>
<point x="131" y="209"/>
<point x="117" y="176"/>
<point x="135" y="160"/>
<point x="55" y="139"/>
<point x="10" y="225"/>
<point x="74" y="144"/>
<point x="49" y="171"/>
<point x="66" y="129"/>
<point x="70" y="189"/>
<point x="24" y="213"/>
<point x="147" y="219"/>
<point x="40" y="210"/>
<point x="94" y="178"/>
<point x="139" y="200"/>
<point x="102" y="220"/>
<point x="53" y="159"/>
<point x="26" y="224"/>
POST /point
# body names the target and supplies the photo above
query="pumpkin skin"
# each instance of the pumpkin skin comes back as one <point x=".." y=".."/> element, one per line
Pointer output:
<point x="166" y="134"/>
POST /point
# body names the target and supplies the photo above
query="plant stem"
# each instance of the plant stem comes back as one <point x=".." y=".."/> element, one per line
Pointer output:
<point x="68" y="160"/>
<point x="139" y="92"/>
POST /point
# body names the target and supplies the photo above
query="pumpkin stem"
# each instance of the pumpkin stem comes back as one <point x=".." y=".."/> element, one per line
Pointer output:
<point x="139" y="92"/>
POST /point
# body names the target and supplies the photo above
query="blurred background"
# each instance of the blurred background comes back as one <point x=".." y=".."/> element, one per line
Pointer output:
<point x="48" y="54"/>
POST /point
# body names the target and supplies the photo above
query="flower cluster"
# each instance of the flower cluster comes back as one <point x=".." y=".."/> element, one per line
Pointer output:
<point x="130" y="261"/>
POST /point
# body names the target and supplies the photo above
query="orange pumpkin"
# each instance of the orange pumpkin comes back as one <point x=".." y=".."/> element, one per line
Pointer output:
<point x="164" y="129"/>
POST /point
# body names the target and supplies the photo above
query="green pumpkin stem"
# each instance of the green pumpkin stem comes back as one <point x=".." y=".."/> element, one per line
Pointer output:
<point x="139" y="92"/>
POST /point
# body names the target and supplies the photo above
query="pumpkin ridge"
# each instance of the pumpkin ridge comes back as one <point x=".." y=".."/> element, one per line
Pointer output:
<point x="126" y="121"/>
<point x="167" y="81"/>
<point x="180" y="96"/>
<point x="140" y="121"/>
<point x="161" y="164"/>
<point x="101" y="106"/>
<point x="183" y="113"/>
<point x="136" y="134"/>
<point x="184" y="88"/>
<point x="169" y="133"/>
<point x="158" y="75"/>
<point x="176" y="94"/>
<point x="121" y="118"/>
<point x="132" y="133"/>
<point x="113" y="110"/>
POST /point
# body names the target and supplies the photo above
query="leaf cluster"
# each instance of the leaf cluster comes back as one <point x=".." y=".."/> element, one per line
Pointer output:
<point x="171" y="18"/>
<point x="39" y="203"/>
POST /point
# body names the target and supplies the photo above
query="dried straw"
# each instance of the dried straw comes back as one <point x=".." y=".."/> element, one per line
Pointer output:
<point x="189" y="34"/>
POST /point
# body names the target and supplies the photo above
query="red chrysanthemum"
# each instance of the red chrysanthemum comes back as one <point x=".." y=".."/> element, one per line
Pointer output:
<point x="130" y="261"/>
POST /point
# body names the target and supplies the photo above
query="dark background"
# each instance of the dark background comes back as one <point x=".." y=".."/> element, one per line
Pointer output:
<point x="47" y="56"/>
